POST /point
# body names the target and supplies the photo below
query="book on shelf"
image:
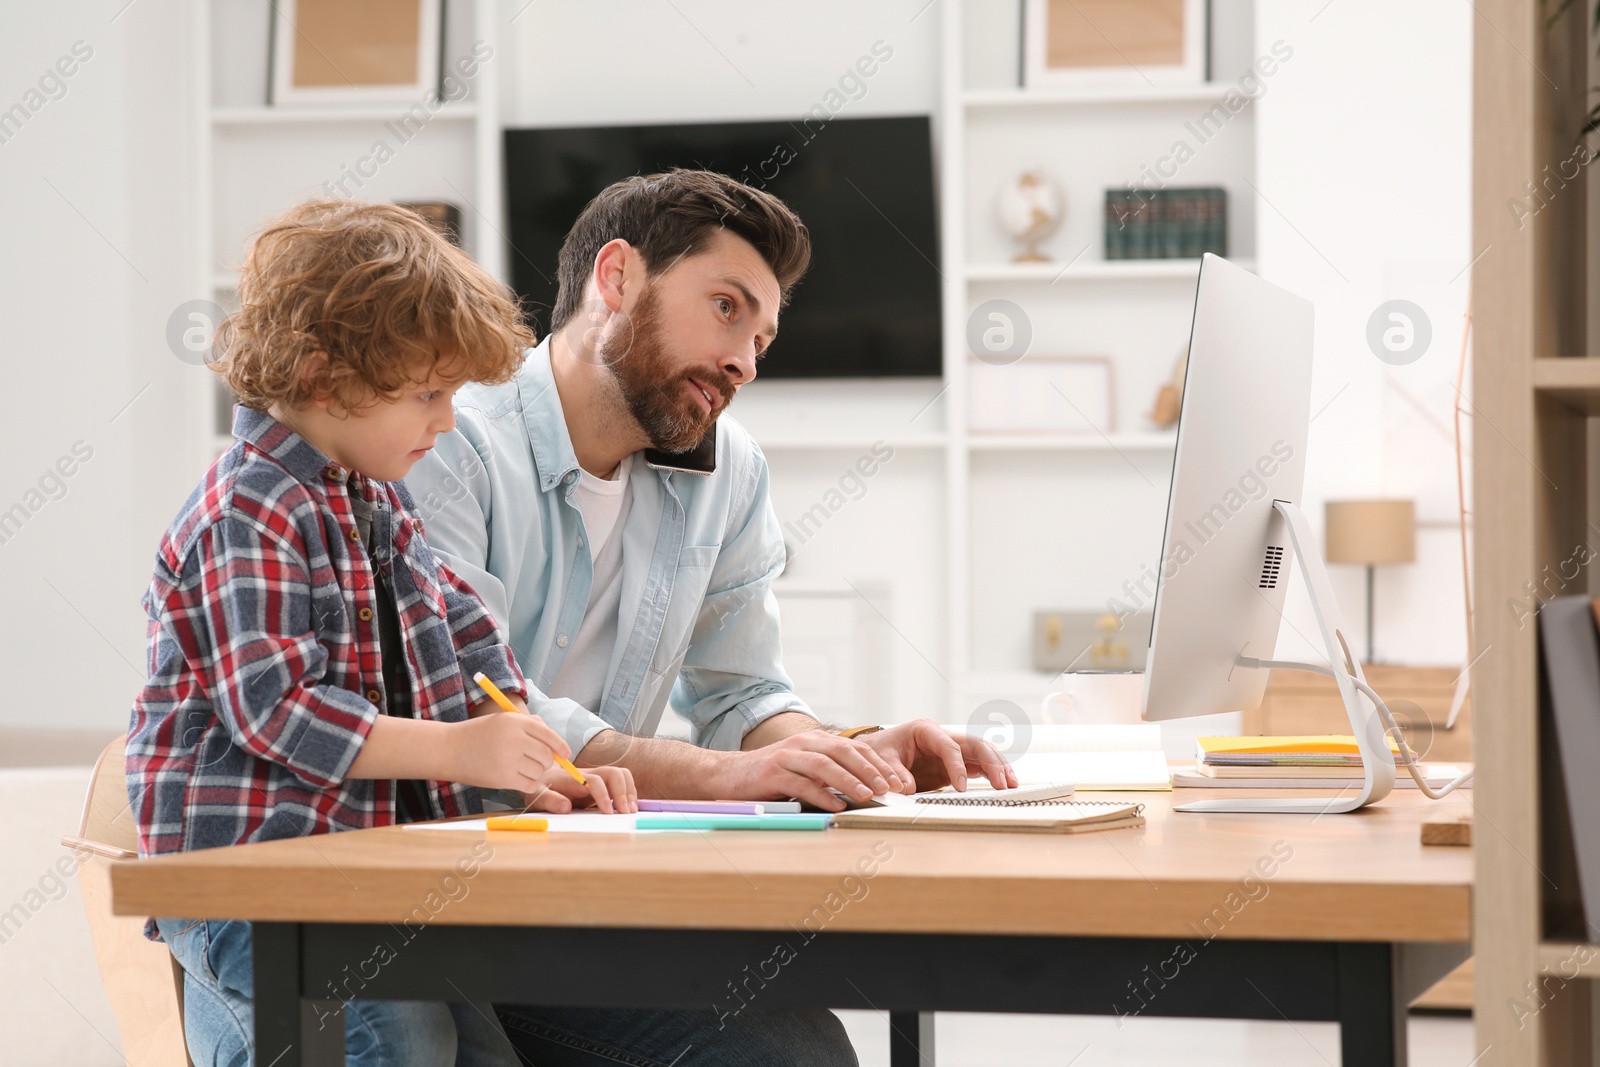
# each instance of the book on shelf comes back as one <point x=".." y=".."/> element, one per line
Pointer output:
<point x="1181" y="223"/>
<point x="1569" y="712"/>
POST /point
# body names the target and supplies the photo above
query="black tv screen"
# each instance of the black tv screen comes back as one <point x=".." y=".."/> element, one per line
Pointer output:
<point x="869" y="306"/>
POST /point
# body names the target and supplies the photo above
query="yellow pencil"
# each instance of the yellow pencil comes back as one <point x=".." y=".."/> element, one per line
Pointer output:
<point x="516" y="822"/>
<point x="500" y="698"/>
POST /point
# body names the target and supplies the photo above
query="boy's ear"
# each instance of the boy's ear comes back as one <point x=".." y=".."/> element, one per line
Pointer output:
<point x="314" y="380"/>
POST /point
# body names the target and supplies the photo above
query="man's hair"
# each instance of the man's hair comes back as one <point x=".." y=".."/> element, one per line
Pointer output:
<point x="376" y="288"/>
<point x="669" y="216"/>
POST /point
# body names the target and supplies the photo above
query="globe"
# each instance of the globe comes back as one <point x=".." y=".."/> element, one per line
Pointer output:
<point x="1030" y="209"/>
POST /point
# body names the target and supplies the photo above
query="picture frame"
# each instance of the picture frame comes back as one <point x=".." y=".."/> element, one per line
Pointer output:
<point x="1084" y="43"/>
<point x="344" y="52"/>
<point x="1043" y="395"/>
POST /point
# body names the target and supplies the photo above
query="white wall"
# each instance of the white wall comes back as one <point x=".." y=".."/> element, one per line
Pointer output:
<point x="1364" y="155"/>
<point x="97" y="231"/>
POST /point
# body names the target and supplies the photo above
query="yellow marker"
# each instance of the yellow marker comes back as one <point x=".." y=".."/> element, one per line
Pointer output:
<point x="517" y="822"/>
<point x="500" y="698"/>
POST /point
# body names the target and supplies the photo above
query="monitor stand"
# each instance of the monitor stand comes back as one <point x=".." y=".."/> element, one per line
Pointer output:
<point x="1365" y="724"/>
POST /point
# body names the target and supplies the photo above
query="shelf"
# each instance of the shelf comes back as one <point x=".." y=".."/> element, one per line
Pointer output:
<point x="1569" y="960"/>
<point x="1206" y="92"/>
<point x="1098" y="270"/>
<point x="1090" y="442"/>
<point x="275" y="116"/>
<point x="1574" y="381"/>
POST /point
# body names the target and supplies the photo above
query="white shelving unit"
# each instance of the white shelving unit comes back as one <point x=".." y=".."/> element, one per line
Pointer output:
<point x="256" y="160"/>
<point x="1135" y="311"/>
<point x="1011" y="523"/>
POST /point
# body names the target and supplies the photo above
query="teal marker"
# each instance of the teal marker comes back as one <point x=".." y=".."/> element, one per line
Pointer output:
<point x="819" y="821"/>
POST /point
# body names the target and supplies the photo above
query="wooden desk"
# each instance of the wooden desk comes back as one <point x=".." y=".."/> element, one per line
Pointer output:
<point x="1340" y="917"/>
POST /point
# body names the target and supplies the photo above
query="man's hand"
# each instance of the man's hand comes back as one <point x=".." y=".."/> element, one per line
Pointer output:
<point x="611" y="789"/>
<point x="933" y="757"/>
<point x="806" y="766"/>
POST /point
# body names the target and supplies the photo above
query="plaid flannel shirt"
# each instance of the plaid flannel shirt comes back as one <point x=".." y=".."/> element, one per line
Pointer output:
<point x="265" y="668"/>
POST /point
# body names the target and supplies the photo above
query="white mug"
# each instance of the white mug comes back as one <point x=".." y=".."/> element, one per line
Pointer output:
<point x="1096" y="697"/>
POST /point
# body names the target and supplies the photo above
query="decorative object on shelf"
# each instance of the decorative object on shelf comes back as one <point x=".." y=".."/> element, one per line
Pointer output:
<point x="1082" y="641"/>
<point x="1166" y="223"/>
<point x="1369" y="533"/>
<point x="442" y="216"/>
<point x="1169" y="398"/>
<point x="1030" y="209"/>
<point x="1043" y="394"/>
<point x="1074" y="43"/>
<point x="354" y="51"/>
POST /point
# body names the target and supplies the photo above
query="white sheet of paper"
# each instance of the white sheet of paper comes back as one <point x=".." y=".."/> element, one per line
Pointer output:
<point x="1090" y="771"/>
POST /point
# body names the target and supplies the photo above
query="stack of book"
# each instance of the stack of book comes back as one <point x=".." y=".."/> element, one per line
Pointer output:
<point x="1315" y="761"/>
<point x="1166" y="223"/>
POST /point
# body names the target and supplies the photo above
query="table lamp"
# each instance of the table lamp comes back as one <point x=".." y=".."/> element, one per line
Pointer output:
<point x="1370" y="532"/>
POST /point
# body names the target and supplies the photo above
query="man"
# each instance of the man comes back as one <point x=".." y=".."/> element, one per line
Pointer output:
<point x="623" y="587"/>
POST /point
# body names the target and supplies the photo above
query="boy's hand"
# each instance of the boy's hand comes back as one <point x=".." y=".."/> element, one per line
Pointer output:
<point x="505" y="751"/>
<point x="611" y="789"/>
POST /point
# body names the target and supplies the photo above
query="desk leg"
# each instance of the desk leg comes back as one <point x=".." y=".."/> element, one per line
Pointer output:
<point x="1372" y="1009"/>
<point x="287" y="1030"/>
<point x="911" y="1039"/>
<point x="275" y="948"/>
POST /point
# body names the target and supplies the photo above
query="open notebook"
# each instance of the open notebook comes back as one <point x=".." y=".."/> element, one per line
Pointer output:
<point x="979" y="793"/>
<point x="1065" y="817"/>
<point x="1091" y="757"/>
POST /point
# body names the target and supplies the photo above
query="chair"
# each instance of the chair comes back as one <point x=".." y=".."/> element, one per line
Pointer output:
<point x="142" y="981"/>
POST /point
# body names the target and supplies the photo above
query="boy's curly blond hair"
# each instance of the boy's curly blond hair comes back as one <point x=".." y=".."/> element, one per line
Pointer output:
<point x="376" y="288"/>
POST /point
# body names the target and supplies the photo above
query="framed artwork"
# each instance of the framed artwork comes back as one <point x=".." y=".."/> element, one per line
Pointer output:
<point x="1080" y="43"/>
<point x="1043" y="394"/>
<point x="354" y="51"/>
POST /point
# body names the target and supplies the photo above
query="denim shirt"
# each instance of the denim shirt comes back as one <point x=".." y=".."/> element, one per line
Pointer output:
<point x="698" y="625"/>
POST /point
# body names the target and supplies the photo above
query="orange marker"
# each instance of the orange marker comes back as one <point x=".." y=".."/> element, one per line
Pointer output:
<point x="516" y="822"/>
<point x="500" y="698"/>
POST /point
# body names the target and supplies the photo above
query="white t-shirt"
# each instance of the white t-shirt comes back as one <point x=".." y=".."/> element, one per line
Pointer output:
<point x="604" y="506"/>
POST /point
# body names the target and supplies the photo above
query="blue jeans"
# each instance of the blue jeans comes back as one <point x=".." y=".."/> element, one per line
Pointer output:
<point x="636" y="1037"/>
<point x="219" y="1019"/>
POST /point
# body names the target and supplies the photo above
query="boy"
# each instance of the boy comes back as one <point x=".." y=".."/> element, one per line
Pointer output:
<point x="310" y="657"/>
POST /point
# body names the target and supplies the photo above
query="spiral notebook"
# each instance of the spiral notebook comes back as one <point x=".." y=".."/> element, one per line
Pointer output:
<point x="984" y="795"/>
<point x="1058" y="817"/>
<point x="978" y="794"/>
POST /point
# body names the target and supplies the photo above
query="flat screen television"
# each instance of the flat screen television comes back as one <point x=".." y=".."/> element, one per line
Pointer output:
<point x="869" y="306"/>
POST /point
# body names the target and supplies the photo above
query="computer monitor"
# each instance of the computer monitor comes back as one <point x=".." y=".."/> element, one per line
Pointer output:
<point x="1234" y="529"/>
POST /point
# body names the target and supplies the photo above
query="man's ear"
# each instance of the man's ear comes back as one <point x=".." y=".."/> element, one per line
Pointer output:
<point x="614" y="266"/>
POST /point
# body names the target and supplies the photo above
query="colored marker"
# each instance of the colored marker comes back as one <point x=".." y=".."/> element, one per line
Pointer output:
<point x="516" y="822"/>
<point x="733" y="822"/>
<point x="722" y="807"/>
<point x="500" y="698"/>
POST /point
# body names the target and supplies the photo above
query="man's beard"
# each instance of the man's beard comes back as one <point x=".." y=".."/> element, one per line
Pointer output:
<point x="653" y="390"/>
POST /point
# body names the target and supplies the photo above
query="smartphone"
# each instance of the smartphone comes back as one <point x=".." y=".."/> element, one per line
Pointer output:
<point x="701" y="459"/>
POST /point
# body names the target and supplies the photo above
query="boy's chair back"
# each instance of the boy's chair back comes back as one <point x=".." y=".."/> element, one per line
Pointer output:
<point x="142" y="980"/>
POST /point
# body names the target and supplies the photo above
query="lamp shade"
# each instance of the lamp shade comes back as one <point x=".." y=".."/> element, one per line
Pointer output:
<point x="1371" y="531"/>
